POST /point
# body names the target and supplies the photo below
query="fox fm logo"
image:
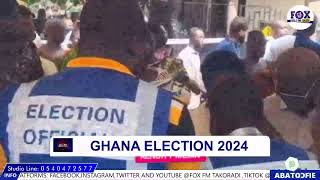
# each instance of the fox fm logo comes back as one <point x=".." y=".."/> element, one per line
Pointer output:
<point x="300" y="17"/>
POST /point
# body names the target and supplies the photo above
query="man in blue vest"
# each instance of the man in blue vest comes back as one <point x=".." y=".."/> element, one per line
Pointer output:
<point x="98" y="94"/>
<point x="239" y="95"/>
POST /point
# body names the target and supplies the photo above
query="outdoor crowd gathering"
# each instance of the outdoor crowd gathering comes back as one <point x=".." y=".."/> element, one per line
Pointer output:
<point x="57" y="73"/>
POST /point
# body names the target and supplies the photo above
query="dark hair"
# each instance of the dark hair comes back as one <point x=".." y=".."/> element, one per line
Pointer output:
<point x="109" y="28"/>
<point x="160" y="35"/>
<point x="238" y="24"/>
<point x="40" y="21"/>
<point x="42" y="14"/>
<point x="75" y="16"/>
<point x="312" y="29"/>
<point x="235" y="103"/>
<point x="219" y="62"/>
<point x="256" y="36"/>
<point x="255" y="42"/>
<point x="19" y="59"/>
<point x="25" y="12"/>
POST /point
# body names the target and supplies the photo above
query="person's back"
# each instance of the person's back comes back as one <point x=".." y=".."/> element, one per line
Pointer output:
<point x="93" y="96"/>
<point x="229" y="45"/>
<point x="81" y="105"/>
<point x="277" y="30"/>
<point x="220" y="62"/>
<point x="279" y="46"/>
<point x="287" y="42"/>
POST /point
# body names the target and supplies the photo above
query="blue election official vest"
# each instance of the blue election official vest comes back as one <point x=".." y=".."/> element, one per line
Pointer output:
<point x="280" y="152"/>
<point x="93" y="97"/>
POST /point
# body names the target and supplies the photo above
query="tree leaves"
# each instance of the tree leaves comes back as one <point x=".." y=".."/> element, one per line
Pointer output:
<point x="30" y="2"/>
<point x="61" y="3"/>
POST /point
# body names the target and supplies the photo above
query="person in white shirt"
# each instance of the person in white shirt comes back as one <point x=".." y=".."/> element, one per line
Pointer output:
<point x="190" y="57"/>
<point x="69" y="29"/>
<point x="278" y="46"/>
<point x="301" y="38"/>
<point x="37" y="40"/>
<point x="279" y="29"/>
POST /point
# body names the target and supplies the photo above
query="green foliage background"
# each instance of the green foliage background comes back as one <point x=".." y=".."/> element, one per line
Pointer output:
<point x="59" y="2"/>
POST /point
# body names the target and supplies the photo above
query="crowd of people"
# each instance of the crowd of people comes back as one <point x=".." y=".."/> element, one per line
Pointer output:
<point x="110" y="57"/>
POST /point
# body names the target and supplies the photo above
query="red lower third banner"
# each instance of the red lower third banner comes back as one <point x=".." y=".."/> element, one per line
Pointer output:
<point x="155" y="159"/>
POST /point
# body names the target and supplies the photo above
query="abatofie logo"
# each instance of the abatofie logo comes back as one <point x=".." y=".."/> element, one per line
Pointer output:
<point x="300" y="17"/>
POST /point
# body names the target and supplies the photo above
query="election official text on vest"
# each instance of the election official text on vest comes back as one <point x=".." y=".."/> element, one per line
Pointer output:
<point x="41" y="111"/>
<point x="63" y="114"/>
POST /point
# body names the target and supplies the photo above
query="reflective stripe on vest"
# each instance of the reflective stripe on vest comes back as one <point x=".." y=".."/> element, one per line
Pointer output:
<point x="146" y="117"/>
<point x="39" y="113"/>
<point x="13" y="127"/>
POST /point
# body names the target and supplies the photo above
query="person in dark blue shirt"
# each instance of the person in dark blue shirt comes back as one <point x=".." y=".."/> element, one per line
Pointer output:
<point x="237" y="35"/>
<point x="303" y="38"/>
<point x="218" y="63"/>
